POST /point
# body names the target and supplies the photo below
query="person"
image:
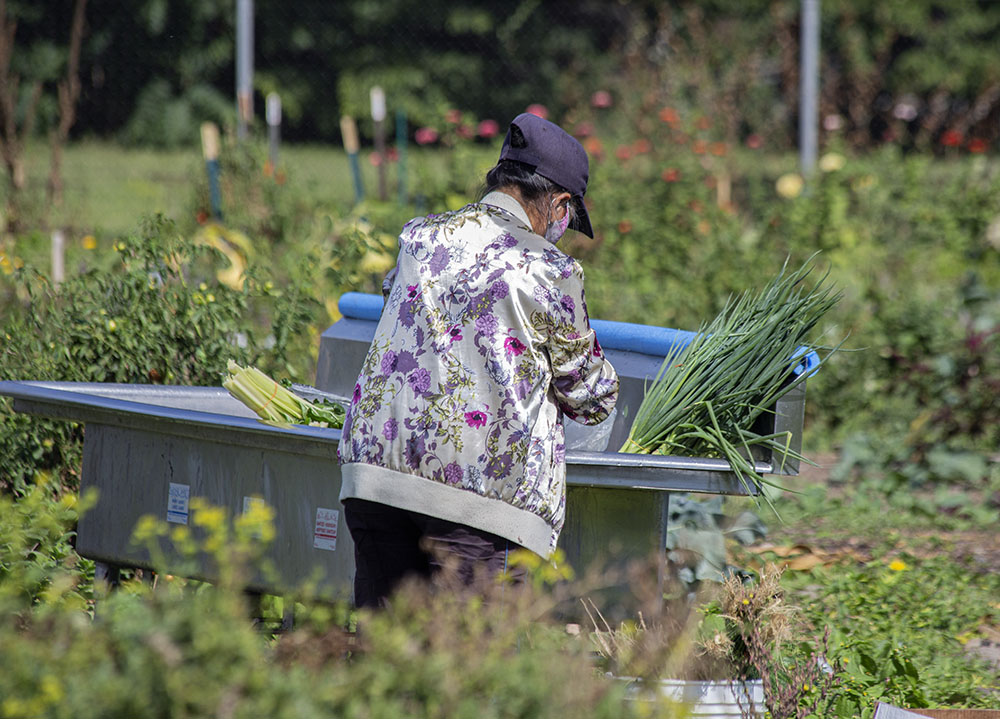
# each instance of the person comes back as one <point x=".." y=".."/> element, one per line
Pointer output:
<point x="453" y="444"/>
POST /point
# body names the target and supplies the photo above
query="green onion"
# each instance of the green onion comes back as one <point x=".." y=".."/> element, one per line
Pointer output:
<point x="274" y="403"/>
<point x="707" y="396"/>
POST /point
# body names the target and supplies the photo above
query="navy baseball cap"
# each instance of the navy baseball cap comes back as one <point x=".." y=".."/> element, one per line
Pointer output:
<point x="555" y="155"/>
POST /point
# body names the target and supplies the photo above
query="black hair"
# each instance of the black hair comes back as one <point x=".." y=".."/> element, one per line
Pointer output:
<point x="535" y="189"/>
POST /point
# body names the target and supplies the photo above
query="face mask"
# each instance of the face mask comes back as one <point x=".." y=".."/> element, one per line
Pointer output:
<point x="557" y="228"/>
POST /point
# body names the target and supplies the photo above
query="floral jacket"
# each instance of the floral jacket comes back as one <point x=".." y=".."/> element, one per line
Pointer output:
<point x="484" y="343"/>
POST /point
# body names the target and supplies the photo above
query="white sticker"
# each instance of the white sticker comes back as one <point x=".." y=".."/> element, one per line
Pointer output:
<point x="177" y="503"/>
<point x="325" y="534"/>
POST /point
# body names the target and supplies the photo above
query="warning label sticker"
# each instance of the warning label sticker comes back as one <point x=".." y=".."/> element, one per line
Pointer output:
<point x="177" y="503"/>
<point x="325" y="533"/>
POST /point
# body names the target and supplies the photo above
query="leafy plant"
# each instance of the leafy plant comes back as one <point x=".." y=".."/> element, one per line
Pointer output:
<point x="160" y="316"/>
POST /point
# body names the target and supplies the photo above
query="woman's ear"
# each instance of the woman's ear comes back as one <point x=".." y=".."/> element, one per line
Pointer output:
<point x="561" y="204"/>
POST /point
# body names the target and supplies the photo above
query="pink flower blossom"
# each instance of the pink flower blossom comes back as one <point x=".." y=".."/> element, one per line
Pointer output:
<point x="453" y="116"/>
<point x="601" y="99"/>
<point x="488" y="129"/>
<point x="476" y="419"/>
<point x="538" y="109"/>
<point x="426" y="135"/>
<point x="513" y="346"/>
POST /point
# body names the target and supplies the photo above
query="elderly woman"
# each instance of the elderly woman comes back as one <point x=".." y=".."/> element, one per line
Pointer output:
<point x="453" y="445"/>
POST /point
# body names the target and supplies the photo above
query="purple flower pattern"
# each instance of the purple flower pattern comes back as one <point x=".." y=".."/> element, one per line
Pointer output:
<point x="480" y="312"/>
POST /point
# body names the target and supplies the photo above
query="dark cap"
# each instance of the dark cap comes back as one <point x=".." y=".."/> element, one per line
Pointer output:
<point x="555" y="155"/>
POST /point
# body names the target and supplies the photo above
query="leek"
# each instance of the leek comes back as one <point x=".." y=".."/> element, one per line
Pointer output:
<point x="708" y="395"/>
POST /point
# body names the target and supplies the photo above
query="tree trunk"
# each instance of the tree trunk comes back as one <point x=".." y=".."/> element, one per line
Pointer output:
<point x="69" y="93"/>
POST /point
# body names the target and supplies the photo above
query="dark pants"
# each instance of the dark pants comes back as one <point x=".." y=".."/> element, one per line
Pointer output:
<point x="392" y="544"/>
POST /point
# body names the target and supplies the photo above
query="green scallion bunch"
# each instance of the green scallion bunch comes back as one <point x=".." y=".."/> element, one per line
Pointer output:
<point x="274" y="403"/>
<point x="708" y="395"/>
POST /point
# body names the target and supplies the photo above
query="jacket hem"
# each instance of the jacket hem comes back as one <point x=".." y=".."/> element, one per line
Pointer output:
<point x="462" y="506"/>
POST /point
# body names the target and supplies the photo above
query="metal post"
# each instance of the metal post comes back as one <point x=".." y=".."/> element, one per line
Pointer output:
<point x="349" y="131"/>
<point x="244" y="66"/>
<point x="401" y="149"/>
<point x="210" y="151"/>
<point x="809" y="86"/>
<point x="58" y="257"/>
<point x="378" y="115"/>
<point x="273" y="113"/>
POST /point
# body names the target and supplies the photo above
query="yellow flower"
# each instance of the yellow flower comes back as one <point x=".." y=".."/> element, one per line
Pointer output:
<point x="831" y="162"/>
<point x="897" y="565"/>
<point x="790" y="185"/>
<point x="89" y="242"/>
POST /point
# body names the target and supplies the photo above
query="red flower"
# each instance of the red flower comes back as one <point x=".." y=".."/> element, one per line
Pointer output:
<point x="671" y="174"/>
<point x="537" y="109"/>
<point x="718" y="149"/>
<point x="623" y="152"/>
<point x="453" y="116"/>
<point x="641" y="146"/>
<point x="977" y="145"/>
<point x="601" y="99"/>
<point x="488" y="129"/>
<point x="594" y="147"/>
<point x="584" y="129"/>
<point x="700" y="147"/>
<point x="951" y="138"/>
<point x="375" y="159"/>
<point x="755" y="141"/>
<point x="426" y="135"/>
<point x="392" y="154"/>
<point x="669" y="116"/>
<point x="624" y="227"/>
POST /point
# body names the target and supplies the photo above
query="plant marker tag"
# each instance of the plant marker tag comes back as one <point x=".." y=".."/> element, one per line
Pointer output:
<point x="251" y="502"/>
<point x="325" y="533"/>
<point x="177" y="503"/>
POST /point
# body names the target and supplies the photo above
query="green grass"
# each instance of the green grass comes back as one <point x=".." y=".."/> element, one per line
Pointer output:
<point x="108" y="187"/>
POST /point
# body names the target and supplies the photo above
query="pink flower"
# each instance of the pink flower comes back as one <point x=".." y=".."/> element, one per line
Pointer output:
<point x="537" y="109"/>
<point x="476" y="419"/>
<point x="513" y="346"/>
<point x="584" y="129"/>
<point x="453" y="116"/>
<point x="426" y="135"/>
<point x="464" y="131"/>
<point x="755" y="141"/>
<point x="375" y="159"/>
<point x="455" y="333"/>
<point x="488" y="129"/>
<point x="601" y="99"/>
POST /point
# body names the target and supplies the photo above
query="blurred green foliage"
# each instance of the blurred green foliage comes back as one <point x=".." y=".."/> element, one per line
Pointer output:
<point x="159" y="315"/>
<point x="892" y="72"/>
